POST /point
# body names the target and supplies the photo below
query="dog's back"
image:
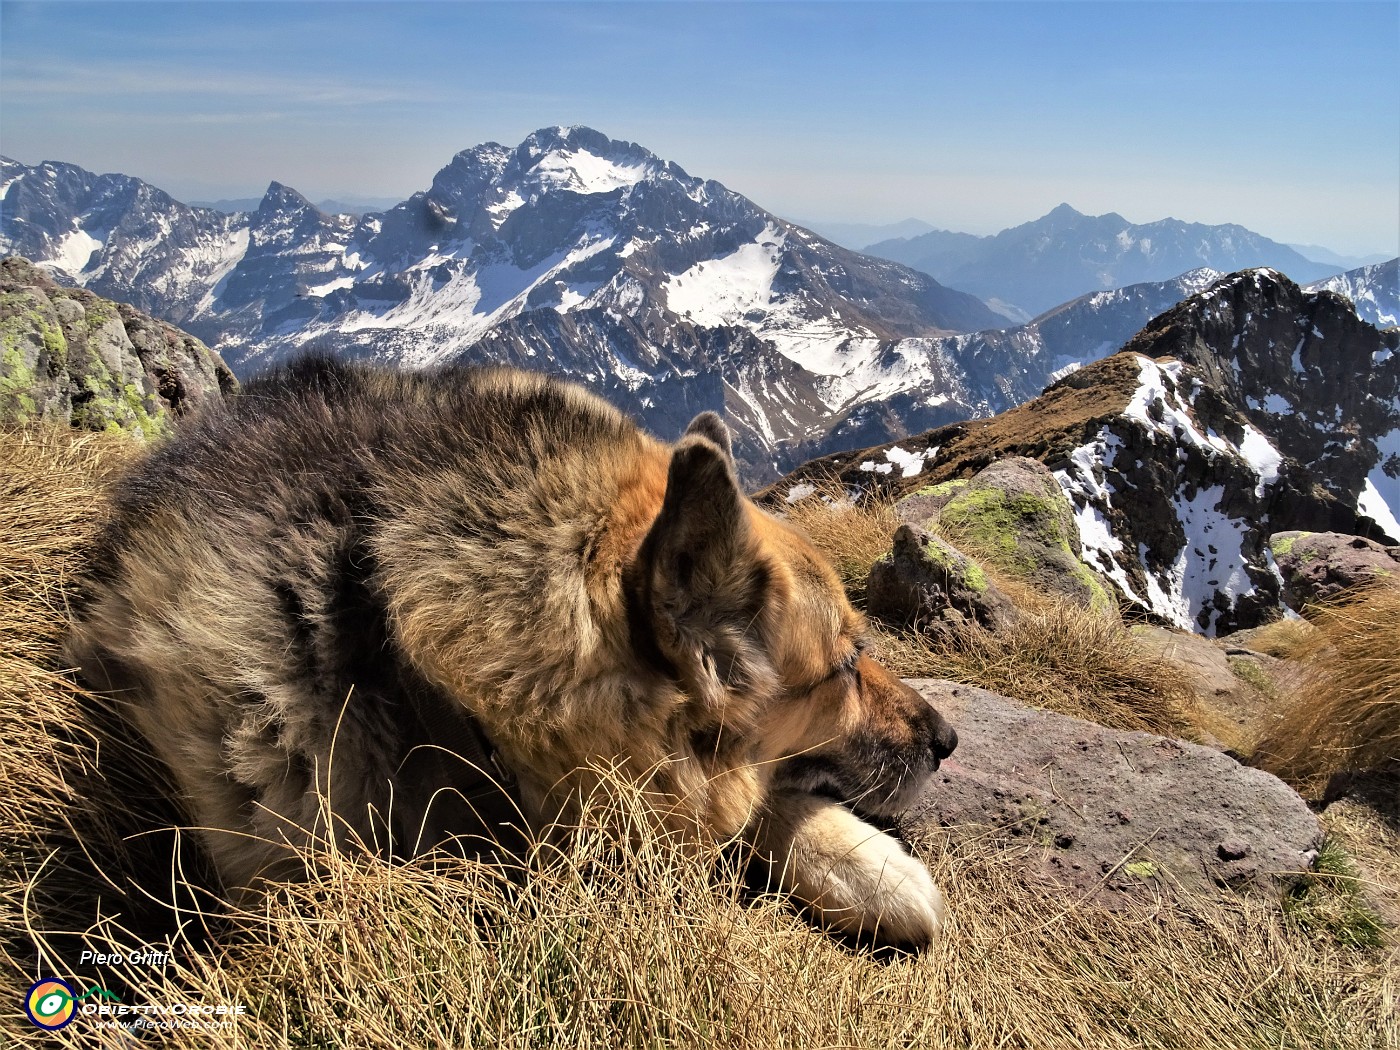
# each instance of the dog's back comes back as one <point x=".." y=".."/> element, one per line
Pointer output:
<point x="241" y="598"/>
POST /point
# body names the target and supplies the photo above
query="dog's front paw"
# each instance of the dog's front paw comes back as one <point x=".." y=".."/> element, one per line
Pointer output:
<point x="855" y="878"/>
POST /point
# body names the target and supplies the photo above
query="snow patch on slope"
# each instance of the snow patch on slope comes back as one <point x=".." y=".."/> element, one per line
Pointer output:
<point x="1380" y="499"/>
<point x="724" y="291"/>
<point x="588" y="173"/>
<point x="74" y="252"/>
<point x="1188" y="587"/>
<point x="459" y="309"/>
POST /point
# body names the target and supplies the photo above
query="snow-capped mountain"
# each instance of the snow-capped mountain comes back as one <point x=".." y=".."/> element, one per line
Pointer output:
<point x="1251" y="408"/>
<point x="1305" y="370"/>
<point x="588" y="257"/>
<point x="675" y="280"/>
<point x="1373" y="290"/>
<point x="1065" y="254"/>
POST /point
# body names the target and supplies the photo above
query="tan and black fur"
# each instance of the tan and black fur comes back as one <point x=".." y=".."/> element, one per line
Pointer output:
<point x="320" y="590"/>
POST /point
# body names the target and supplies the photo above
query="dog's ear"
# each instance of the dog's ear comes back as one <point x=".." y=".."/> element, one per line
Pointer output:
<point x="702" y="581"/>
<point x="702" y="527"/>
<point x="710" y="425"/>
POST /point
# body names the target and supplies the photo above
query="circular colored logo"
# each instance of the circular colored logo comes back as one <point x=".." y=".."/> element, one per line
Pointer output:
<point x="50" y="1003"/>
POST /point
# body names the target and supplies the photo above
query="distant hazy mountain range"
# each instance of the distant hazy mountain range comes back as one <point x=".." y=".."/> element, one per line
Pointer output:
<point x="860" y="235"/>
<point x="1319" y="254"/>
<point x="1038" y="265"/>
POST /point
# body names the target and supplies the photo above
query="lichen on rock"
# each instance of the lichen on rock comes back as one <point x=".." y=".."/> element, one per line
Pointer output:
<point x="69" y="356"/>
<point x="927" y="582"/>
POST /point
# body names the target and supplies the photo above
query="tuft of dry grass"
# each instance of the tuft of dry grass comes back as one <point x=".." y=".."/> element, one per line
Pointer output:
<point x="853" y="535"/>
<point x="1282" y="638"/>
<point x="51" y="502"/>
<point x="1343" y="712"/>
<point x="617" y="940"/>
<point x="1061" y="658"/>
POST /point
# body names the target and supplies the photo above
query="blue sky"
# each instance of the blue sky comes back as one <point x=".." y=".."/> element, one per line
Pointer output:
<point x="1283" y="117"/>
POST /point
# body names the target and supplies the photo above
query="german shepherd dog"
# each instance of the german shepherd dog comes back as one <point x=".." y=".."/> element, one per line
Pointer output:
<point x="314" y="595"/>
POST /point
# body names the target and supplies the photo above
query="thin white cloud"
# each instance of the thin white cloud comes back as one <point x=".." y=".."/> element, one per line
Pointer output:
<point x="37" y="81"/>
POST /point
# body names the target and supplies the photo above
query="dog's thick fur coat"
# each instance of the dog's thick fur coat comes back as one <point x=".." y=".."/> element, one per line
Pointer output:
<point x="320" y="591"/>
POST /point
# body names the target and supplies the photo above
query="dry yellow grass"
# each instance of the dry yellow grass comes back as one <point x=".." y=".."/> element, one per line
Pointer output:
<point x="853" y="536"/>
<point x="618" y="942"/>
<point x="1344" y="710"/>
<point x="1060" y="658"/>
<point x="617" y="946"/>
<point x="1282" y="638"/>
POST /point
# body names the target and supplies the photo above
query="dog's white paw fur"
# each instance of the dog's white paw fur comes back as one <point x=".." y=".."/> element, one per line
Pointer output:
<point x="856" y="878"/>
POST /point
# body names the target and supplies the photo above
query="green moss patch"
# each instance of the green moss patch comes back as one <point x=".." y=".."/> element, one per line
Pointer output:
<point x="942" y="488"/>
<point x="1285" y="544"/>
<point x="999" y="525"/>
<point x="16" y="385"/>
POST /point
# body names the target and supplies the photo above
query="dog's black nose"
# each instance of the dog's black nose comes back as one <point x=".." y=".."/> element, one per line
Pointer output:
<point x="944" y="738"/>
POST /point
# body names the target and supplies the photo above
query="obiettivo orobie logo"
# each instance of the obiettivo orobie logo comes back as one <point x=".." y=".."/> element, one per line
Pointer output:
<point x="51" y="1003"/>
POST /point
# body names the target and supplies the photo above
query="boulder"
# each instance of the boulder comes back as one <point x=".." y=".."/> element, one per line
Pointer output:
<point x="926" y="581"/>
<point x="1317" y="566"/>
<point x="1014" y="515"/>
<point x="1239" y="686"/>
<point x="69" y="356"/>
<point x="1120" y="815"/>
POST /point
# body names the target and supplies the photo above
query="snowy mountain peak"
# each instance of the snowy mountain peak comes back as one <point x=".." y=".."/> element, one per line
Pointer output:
<point x="280" y="198"/>
<point x="590" y="255"/>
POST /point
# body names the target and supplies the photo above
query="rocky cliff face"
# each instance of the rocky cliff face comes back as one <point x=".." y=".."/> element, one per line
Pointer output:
<point x="69" y="356"/>
<point x="1177" y="469"/>
<point x="1304" y="370"/>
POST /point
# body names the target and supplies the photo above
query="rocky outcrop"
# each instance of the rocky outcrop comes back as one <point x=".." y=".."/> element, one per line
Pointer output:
<point x="926" y="582"/>
<point x="1282" y="412"/>
<point x="1317" y="566"/>
<point x="1015" y="517"/>
<point x="1303" y="369"/>
<point x="69" y="356"/>
<point x="1118" y="815"/>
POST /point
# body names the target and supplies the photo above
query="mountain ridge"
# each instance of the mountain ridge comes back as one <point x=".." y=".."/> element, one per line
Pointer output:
<point x="1251" y="407"/>
<point x="667" y="292"/>
<point x="1065" y="253"/>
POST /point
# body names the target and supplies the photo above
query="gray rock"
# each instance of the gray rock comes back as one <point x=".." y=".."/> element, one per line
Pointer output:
<point x="1317" y="566"/>
<point x="70" y="356"/>
<point x="1015" y="516"/>
<point x="1123" y="815"/>
<point x="925" y="581"/>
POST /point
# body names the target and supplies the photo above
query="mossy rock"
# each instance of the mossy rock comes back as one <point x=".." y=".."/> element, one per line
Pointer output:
<point x="923" y="506"/>
<point x="1319" y="566"/>
<point x="33" y="358"/>
<point x="1282" y="543"/>
<point x="1014" y="516"/>
<point x="928" y="583"/>
<point x="69" y="356"/>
